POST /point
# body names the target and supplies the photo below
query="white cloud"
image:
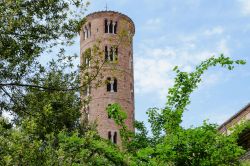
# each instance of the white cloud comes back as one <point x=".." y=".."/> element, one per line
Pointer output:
<point x="153" y="66"/>
<point x="245" y="6"/>
<point x="153" y="23"/>
<point x="214" y="31"/>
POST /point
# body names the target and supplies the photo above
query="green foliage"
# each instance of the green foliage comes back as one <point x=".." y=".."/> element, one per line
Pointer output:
<point x="195" y="146"/>
<point x="29" y="29"/>
<point x="64" y="148"/>
<point x="116" y="112"/>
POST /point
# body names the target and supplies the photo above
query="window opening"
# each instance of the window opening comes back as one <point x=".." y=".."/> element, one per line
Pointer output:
<point x="115" y="138"/>
<point x="109" y="135"/>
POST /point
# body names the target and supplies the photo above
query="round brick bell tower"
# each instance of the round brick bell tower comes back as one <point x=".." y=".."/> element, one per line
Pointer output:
<point x="108" y="27"/>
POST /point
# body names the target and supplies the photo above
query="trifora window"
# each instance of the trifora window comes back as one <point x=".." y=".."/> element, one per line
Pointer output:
<point x="87" y="31"/>
<point x="111" y="53"/>
<point x="110" y="26"/>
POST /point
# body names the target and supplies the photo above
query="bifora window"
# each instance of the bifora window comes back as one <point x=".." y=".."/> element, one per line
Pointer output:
<point x="111" y="84"/>
<point x="112" y="137"/>
<point x="110" y="26"/>
<point x="87" y="31"/>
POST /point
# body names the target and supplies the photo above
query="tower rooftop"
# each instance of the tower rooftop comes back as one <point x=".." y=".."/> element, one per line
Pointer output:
<point x="98" y="13"/>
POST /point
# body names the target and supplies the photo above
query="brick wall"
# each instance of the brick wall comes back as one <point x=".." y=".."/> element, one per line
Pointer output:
<point x="122" y="70"/>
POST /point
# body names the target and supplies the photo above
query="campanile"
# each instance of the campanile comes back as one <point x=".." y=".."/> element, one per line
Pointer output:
<point x="114" y="32"/>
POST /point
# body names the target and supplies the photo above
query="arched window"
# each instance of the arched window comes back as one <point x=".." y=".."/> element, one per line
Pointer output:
<point x="110" y="136"/>
<point x="106" y="53"/>
<point x="111" y="53"/>
<point x="111" y="84"/>
<point x="116" y="54"/>
<point x="108" y="84"/>
<point x="87" y="57"/>
<point x="115" y="138"/>
<point x="115" y="85"/>
<point x="108" y="114"/>
<point x="110" y="26"/>
<point x="89" y="30"/>
<point x="106" y="25"/>
<point x="115" y="27"/>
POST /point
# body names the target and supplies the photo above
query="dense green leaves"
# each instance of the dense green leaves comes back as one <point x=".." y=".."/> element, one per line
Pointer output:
<point x="30" y="29"/>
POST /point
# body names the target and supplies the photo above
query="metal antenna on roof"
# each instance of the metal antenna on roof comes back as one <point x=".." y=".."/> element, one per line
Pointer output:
<point x="106" y="7"/>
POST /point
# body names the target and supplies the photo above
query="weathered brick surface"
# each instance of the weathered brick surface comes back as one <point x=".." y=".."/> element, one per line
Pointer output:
<point x="122" y="70"/>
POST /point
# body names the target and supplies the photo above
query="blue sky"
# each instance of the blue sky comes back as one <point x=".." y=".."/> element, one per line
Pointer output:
<point x="183" y="33"/>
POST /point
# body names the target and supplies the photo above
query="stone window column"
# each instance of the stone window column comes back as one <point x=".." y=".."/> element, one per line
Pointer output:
<point x="88" y="90"/>
<point x="108" y="23"/>
<point x="86" y="33"/>
<point x="112" y="85"/>
<point x="109" y="53"/>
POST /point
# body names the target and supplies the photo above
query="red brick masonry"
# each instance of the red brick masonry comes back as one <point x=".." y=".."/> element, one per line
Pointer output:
<point x="122" y="70"/>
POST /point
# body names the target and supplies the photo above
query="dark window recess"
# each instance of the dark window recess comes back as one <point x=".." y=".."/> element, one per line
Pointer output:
<point x="89" y="29"/>
<point x="106" y="53"/>
<point x="111" y="53"/>
<point x="115" y="27"/>
<point x="106" y="26"/>
<point x="115" y="138"/>
<point x="108" y="113"/>
<point x="111" y="27"/>
<point x="116" y="53"/>
<point x="109" y="84"/>
<point x="115" y="85"/>
<point x="109" y="135"/>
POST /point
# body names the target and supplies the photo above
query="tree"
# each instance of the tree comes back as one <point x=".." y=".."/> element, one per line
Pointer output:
<point x="29" y="30"/>
<point x="173" y="145"/>
<point x="202" y="145"/>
